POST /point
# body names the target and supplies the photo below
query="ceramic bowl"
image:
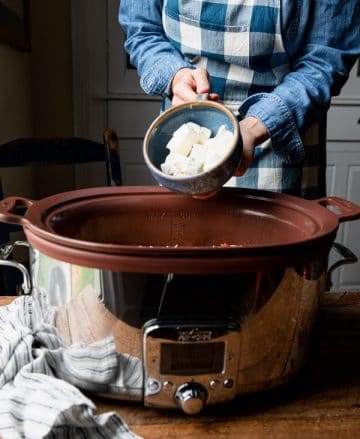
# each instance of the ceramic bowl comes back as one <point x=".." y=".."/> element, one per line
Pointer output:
<point x="205" y="113"/>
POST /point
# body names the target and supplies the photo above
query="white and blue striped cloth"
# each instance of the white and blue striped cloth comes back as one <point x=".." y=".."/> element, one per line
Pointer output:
<point x="38" y="375"/>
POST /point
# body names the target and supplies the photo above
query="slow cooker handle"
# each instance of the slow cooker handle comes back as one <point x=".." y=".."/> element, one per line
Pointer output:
<point x="346" y="210"/>
<point x="348" y="258"/>
<point x="5" y="253"/>
<point x="10" y="205"/>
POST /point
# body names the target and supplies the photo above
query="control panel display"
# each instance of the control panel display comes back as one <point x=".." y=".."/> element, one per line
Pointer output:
<point x="192" y="358"/>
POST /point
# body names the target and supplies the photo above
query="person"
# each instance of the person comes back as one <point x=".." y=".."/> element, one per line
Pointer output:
<point x="275" y="63"/>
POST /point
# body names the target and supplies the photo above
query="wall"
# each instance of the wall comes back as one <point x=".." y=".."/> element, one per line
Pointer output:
<point x="51" y="86"/>
<point x="51" y="68"/>
<point x="15" y="111"/>
<point x="15" y="94"/>
<point x="36" y="96"/>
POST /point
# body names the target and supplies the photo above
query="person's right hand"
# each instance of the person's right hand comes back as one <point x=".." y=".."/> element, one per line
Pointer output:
<point x="187" y="84"/>
<point x="253" y="133"/>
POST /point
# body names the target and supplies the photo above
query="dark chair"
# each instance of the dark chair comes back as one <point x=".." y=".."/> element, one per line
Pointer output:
<point x="52" y="151"/>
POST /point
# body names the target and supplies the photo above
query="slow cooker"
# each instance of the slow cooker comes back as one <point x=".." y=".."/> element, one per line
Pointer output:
<point x="208" y="299"/>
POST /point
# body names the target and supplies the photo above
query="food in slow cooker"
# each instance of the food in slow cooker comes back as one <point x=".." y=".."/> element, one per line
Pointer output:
<point x="193" y="150"/>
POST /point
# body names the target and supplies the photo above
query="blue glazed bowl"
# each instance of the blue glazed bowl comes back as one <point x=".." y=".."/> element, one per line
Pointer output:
<point x="205" y="113"/>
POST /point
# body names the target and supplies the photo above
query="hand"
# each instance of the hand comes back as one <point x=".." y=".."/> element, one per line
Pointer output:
<point x="253" y="132"/>
<point x="187" y="84"/>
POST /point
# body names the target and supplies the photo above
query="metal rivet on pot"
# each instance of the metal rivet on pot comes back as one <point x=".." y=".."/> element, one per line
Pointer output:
<point x="168" y="385"/>
<point x="214" y="384"/>
<point x="153" y="385"/>
<point x="228" y="383"/>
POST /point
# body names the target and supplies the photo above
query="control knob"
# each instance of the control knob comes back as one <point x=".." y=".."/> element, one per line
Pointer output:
<point x="191" y="397"/>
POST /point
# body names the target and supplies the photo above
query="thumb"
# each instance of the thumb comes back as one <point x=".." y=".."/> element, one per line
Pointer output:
<point x="201" y="78"/>
<point x="246" y="159"/>
<point x="253" y="133"/>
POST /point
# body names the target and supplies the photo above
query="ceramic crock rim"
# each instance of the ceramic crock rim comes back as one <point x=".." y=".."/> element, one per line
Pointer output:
<point x="36" y="219"/>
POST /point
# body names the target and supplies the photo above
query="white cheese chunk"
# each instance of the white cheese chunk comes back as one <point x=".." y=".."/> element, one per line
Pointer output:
<point x="186" y="136"/>
<point x="193" y="150"/>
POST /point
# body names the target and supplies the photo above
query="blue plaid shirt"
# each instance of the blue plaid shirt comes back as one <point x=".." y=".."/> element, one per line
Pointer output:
<point x="277" y="60"/>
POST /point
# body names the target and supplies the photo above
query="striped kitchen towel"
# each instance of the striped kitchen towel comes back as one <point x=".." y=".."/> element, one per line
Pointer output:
<point x="40" y="378"/>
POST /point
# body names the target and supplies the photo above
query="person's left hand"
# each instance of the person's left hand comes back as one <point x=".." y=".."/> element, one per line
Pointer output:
<point x="253" y="132"/>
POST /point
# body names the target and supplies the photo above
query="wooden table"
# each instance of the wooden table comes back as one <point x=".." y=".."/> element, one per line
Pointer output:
<point x="323" y="403"/>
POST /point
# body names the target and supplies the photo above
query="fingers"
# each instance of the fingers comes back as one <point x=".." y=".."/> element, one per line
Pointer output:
<point x="183" y="86"/>
<point x="187" y="84"/>
<point x="214" y="97"/>
<point x="201" y="78"/>
<point x="177" y="100"/>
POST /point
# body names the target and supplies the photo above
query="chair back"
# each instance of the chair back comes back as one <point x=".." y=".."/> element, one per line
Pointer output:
<point x="52" y="151"/>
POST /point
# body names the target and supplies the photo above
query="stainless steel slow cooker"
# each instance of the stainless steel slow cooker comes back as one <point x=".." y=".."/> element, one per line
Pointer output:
<point x="208" y="299"/>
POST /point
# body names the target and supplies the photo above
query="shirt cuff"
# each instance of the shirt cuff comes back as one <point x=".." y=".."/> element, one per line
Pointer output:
<point x="157" y="81"/>
<point x="271" y="110"/>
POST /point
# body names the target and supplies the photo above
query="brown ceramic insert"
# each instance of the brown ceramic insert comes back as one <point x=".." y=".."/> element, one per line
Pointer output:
<point x="180" y="221"/>
<point x="144" y="227"/>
